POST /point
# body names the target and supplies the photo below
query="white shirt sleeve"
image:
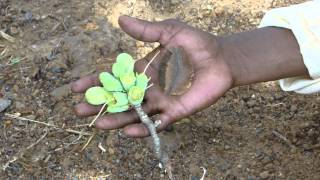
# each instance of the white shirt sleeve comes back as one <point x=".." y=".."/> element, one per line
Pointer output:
<point x="304" y="21"/>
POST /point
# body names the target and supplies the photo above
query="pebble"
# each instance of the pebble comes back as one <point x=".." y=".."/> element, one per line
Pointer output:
<point x="14" y="30"/>
<point x="28" y="16"/>
<point x="61" y="92"/>
<point x="4" y="104"/>
<point x="264" y="174"/>
<point x="20" y="105"/>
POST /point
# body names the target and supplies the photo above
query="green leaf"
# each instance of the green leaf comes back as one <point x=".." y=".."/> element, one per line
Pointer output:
<point x="109" y="82"/>
<point x="136" y="95"/>
<point x="128" y="80"/>
<point x="123" y="65"/>
<point x="124" y="58"/>
<point x="120" y="104"/>
<point x="117" y="109"/>
<point x="98" y="95"/>
<point x="142" y="81"/>
<point x="121" y="99"/>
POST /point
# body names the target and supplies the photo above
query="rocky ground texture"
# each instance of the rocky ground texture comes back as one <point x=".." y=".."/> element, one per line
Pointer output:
<point x="253" y="132"/>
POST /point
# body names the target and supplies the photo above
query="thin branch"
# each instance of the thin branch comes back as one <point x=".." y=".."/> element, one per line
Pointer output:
<point x="7" y="37"/>
<point x="149" y="86"/>
<point x="153" y="58"/>
<point x="88" y="142"/>
<point x="94" y="120"/>
<point x="274" y="132"/>
<point x="21" y="153"/>
<point x="46" y="124"/>
<point x="73" y="142"/>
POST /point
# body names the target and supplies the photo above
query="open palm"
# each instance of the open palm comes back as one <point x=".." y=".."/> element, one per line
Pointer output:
<point x="211" y="80"/>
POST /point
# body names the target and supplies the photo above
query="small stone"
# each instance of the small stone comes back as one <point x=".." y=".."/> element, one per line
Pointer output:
<point x="4" y="104"/>
<point x="219" y="11"/>
<point x="251" y="103"/>
<point x="264" y="174"/>
<point x="58" y="65"/>
<point x="7" y="88"/>
<point x="293" y="108"/>
<point x="43" y="36"/>
<point x="111" y="151"/>
<point x="28" y="16"/>
<point x="61" y="92"/>
<point x="14" y="30"/>
<point x="19" y="105"/>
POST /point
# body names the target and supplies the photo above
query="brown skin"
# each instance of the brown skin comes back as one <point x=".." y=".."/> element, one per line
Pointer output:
<point x="220" y="63"/>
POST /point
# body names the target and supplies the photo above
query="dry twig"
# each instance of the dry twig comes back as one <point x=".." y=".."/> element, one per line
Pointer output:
<point x="98" y="115"/>
<point x="21" y="153"/>
<point x="48" y="125"/>
<point x="274" y="132"/>
<point x="89" y="140"/>
<point x="7" y="37"/>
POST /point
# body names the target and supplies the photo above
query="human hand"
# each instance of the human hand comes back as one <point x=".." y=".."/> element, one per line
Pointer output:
<point x="212" y="76"/>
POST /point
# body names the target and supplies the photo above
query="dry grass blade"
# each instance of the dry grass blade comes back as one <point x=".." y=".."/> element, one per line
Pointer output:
<point x="46" y="124"/>
<point x="88" y="141"/>
<point x="3" y="52"/>
<point x="283" y="138"/>
<point x="7" y="37"/>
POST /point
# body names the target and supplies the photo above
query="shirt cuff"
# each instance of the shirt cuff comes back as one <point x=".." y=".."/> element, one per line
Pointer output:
<point x="304" y="21"/>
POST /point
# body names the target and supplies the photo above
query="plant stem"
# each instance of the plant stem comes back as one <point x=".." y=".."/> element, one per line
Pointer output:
<point x="101" y="110"/>
<point x="152" y="129"/>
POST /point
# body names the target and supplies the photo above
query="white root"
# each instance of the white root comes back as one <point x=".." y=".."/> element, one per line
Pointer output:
<point x="101" y="147"/>
<point x="153" y="58"/>
<point x="204" y="173"/>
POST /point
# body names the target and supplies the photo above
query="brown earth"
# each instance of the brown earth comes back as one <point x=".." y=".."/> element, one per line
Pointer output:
<point x="253" y="132"/>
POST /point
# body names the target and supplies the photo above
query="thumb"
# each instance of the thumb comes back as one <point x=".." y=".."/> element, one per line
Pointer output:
<point x="148" y="31"/>
<point x="140" y="29"/>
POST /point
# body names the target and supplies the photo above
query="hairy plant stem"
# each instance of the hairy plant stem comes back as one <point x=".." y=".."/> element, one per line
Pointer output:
<point x="152" y="129"/>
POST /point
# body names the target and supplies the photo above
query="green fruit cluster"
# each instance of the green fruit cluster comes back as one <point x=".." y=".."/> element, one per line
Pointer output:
<point x="120" y="89"/>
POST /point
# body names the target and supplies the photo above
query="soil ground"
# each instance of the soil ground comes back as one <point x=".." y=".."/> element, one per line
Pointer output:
<point x="253" y="132"/>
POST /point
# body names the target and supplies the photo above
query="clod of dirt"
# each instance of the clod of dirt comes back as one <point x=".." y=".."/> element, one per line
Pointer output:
<point x="4" y="104"/>
<point x="89" y="43"/>
<point x="61" y="92"/>
<point x="264" y="174"/>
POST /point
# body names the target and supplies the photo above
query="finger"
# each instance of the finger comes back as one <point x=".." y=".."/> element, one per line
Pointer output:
<point x="140" y="29"/>
<point x="139" y="130"/>
<point x="84" y="83"/>
<point x="84" y="109"/>
<point x="119" y="120"/>
<point x="147" y="31"/>
<point x="155" y="95"/>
